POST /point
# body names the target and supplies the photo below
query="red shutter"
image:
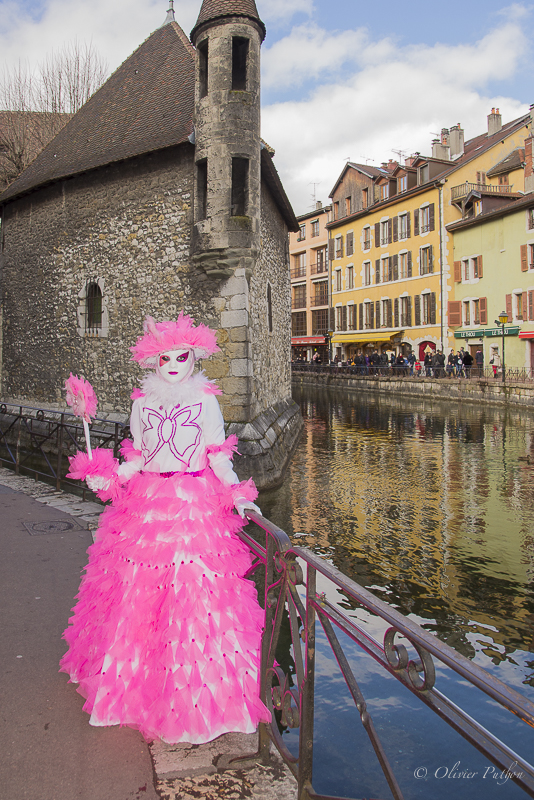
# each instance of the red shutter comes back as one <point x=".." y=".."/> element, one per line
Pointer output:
<point x="431" y="220"/>
<point x="390" y="314"/>
<point x="509" y="307"/>
<point x="409" y="224"/>
<point x="524" y="258"/>
<point x="458" y="271"/>
<point x="395" y="229"/>
<point x="390" y="269"/>
<point x="396" y="313"/>
<point x="431" y="258"/>
<point x="524" y="304"/>
<point x="377" y="234"/>
<point x="331" y="251"/>
<point x="483" y="308"/>
<point x="409" y="313"/>
<point x="341" y="246"/>
<point x="455" y="313"/>
<point x="377" y="270"/>
<point x="409" y="265"/>
<point x="377" y="313"/>
<point x="395" y="267"/>
<point x="344" y="318"/>
<point x="390" y="231"/>
<point x="480" y="271"/>
<point x="361" y="316"/>
<point x="531" y="306"/>
<point x="416" y="222"/>
<point x="372" y="315"/>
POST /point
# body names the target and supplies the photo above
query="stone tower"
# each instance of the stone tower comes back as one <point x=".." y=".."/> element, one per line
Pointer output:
<point x="227" y="37"/>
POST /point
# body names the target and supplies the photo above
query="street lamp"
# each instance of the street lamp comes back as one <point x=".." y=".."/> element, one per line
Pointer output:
<point x="328" y="342"/>
<point x="503" y="319"/>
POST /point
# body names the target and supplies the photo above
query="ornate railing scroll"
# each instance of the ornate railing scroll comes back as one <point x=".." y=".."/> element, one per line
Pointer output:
<point x="37" y="442"/>
<point x="291" y="590"/>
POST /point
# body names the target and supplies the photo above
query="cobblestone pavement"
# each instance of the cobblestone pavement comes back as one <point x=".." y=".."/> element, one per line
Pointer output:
<point x="183" y="771"/>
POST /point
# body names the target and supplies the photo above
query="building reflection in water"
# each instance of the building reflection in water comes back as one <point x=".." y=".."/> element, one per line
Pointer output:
<point x="430" y="506"/>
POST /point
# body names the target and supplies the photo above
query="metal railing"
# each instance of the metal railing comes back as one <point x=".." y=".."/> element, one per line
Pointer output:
<point x="297" y="272"/>
<point x="290" y="575"/>
<point x="486" y="374"/>
<point x="37" y="442"/>
<point x="319" y="269"/>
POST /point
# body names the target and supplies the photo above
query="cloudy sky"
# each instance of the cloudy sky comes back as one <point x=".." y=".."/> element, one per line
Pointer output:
<point x="341" y="79"/>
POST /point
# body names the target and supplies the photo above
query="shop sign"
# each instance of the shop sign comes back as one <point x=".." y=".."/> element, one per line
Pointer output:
<point x="485" y="332"/>
<point x="300" y="340"/>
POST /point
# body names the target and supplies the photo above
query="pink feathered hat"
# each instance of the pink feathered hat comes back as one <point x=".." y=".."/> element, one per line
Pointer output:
<point x="180" y="335"/>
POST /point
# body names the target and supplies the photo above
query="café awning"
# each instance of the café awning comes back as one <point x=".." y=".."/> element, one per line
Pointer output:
<point x="363" y="337"/>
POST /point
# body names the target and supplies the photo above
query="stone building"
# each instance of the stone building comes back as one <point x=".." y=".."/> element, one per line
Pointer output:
<point x="159" y="195"/>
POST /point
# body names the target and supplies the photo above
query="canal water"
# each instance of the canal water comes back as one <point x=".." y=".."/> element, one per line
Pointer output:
<point x="430" y="506"/>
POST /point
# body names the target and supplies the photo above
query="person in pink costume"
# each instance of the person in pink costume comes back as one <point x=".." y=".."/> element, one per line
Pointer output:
<point x="166" y="632"/>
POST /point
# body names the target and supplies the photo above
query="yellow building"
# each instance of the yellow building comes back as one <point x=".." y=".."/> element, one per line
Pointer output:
<point x="392" y="259"/>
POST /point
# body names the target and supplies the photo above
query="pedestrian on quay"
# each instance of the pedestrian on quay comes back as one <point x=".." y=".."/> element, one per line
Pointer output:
<point x="452" y="364"/>
<point x="460" y="369"/>
<point x="479" y="358"/>
<point x="411" y="362"/>
<point x="428" y="364"/>
<point x="468" y="363"/>
<point x="496" y="362"/>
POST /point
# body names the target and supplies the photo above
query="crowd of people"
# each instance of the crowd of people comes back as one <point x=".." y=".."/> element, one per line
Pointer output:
<point x="458" y="364"/>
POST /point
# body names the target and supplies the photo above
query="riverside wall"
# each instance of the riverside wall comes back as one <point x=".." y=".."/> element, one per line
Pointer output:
<point x="472" y="390"/>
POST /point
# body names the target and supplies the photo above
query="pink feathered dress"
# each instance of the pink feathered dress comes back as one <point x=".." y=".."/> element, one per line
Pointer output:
<point x="166" y="632"/>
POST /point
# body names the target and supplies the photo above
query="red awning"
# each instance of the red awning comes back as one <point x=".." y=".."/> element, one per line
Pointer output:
<point x="526" y="335"/>
<point x="307" y="340"/>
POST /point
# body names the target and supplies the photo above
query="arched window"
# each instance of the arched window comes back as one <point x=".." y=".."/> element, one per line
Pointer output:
<point x="93" y="307"/>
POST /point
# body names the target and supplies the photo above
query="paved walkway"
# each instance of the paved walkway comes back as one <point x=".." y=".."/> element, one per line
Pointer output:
<point x="49" y="751"/>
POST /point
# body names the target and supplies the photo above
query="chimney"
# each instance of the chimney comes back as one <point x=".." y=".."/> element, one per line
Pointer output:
<point x="440" y="147"/>
<point x="457" y="141"/>
<point x="494" y="122"/>
<point x="529" y="169"/>
<point x="318" y="205"/>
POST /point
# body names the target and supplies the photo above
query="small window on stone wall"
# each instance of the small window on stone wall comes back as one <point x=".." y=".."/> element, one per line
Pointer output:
<point x="239" y="186"/>
<point x="239" y="63"/>
<point x="203" y="68"/>
<point x="92" y="310"/>
<point x="202" y="189"/>
<point x="270" y="307"/>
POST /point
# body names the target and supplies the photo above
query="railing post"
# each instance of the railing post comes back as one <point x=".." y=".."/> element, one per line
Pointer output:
<point x="59" y="452"/>
<point x="264" y="741"/>
<point x="307" y="699"/>
<point x="17" y="453"/>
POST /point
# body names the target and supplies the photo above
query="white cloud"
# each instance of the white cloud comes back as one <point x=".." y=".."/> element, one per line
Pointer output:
<point x="276" y="10"/>
<point x="115" y="29"/>
<point x="392" y="97"/>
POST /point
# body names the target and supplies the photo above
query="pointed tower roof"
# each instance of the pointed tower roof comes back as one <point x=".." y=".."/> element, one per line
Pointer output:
<point x="146" y="105"/>
<point x="219" y="9"/>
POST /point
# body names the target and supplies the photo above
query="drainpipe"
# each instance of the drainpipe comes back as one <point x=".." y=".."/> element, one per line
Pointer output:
<point x="442" y="271"/>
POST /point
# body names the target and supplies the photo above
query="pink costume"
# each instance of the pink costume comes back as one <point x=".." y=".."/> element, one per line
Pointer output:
<point x="166" y="632"/>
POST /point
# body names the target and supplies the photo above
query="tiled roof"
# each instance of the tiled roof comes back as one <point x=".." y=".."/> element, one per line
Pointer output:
<point x="217" y="9"/>
<point x="513" y="160"/>
<point x="146" y="105"/>
<point x="521" y="202"/>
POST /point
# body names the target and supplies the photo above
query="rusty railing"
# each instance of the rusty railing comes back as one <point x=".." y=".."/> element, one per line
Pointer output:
<point x="290" y="575"/>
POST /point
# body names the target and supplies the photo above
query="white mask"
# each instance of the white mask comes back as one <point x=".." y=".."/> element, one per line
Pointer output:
<point x="175" y="366"/>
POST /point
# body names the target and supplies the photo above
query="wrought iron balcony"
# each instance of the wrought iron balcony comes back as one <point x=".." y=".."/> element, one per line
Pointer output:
<point x="464" y="188"/>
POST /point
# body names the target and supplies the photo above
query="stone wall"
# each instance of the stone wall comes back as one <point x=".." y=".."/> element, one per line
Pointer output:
<point x="449" y="389"/>
<point x="130" y="226"/>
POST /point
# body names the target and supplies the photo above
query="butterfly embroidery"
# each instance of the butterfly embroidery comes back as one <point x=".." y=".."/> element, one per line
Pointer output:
<point x="175" y="429"/>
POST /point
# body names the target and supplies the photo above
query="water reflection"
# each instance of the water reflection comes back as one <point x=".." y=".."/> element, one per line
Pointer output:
<point x="430" y="506"/>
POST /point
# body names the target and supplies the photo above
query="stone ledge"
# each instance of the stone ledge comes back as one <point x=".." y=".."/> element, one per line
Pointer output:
<point x="186" y="771"/>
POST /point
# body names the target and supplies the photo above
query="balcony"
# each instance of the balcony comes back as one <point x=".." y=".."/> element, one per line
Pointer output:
<point x="298" y="304"/>
<point x="463" y="190"/>
<point x="318" y="269"/>
<point x="319" y="301"/>
<point x="298" y="272"/>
